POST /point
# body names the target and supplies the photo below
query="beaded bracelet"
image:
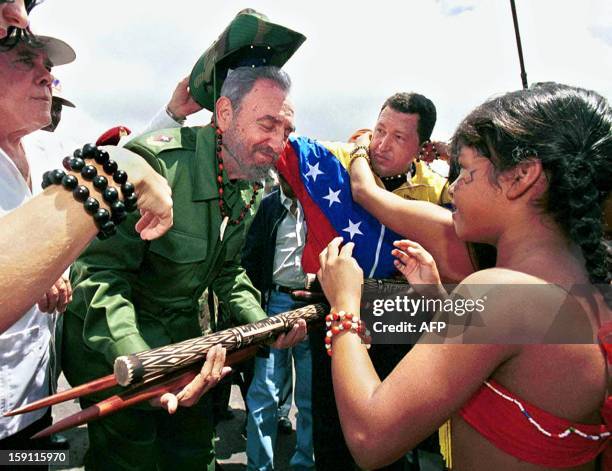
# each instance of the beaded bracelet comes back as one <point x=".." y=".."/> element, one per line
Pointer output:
<point x="102" y="217"/>
<point x="77" y="163"/>
<point x="365" y="149"/>
<point x="106" y="221"/>
<point x="338" y="322"/>
<point x="356" y="156"/>
<point x="359" y="151"/>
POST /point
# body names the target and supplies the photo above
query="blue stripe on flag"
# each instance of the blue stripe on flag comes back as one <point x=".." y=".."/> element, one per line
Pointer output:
<point x="328" y="184"/>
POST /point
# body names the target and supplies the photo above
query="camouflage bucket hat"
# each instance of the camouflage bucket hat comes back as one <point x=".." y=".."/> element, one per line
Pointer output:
<point x="249" y="40"/>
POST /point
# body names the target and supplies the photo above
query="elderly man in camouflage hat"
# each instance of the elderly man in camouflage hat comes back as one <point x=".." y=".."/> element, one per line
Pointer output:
<point x="131" y="295"/>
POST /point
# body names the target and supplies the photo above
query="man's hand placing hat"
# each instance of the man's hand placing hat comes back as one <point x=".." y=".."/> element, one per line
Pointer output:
<point x="181" y="103"/>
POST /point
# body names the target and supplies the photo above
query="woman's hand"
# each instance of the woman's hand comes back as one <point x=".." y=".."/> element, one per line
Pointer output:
<point x="417" y="265"/>
<point x="211" y="373"/>
<point x="154" y="193"/>
<point x="340" y="276"/>
<point x="431" y="151"/>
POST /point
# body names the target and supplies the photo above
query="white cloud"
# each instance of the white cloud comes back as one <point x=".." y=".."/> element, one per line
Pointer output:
<point x="457" y="52"/>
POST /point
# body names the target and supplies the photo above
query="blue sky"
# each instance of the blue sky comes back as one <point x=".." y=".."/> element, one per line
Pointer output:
<point x="130" y="54"/>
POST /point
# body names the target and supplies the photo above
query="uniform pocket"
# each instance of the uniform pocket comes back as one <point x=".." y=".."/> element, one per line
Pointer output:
<point x="180" y="247"/>
<point x="173" y="269"/>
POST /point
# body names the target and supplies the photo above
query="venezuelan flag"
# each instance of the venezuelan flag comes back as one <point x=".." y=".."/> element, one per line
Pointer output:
<point x="317" y="173"/>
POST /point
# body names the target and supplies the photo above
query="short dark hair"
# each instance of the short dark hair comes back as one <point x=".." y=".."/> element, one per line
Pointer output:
<point x="414" y="103"/>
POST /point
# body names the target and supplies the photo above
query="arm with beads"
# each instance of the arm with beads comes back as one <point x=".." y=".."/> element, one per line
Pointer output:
<point x="40" y="239"/>
<point x="426" y="223"/>
<point x="382" y="420"/>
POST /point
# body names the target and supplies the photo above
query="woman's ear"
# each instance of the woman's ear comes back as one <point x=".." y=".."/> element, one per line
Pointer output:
<point x="525" y="177"/>
<point x="224" y="113"/>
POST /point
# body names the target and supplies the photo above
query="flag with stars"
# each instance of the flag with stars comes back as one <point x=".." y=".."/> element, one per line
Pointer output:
<point x="317" y="174"/>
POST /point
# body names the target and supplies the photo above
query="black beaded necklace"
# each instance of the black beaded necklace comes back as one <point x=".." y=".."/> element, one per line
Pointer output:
<point x="401" y="176"/>
<point x="226" y="219"/>
<point x="393" y="182"/>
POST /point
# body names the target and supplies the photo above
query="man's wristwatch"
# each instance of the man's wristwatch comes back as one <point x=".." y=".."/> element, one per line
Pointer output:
<point x="178" y="119"/>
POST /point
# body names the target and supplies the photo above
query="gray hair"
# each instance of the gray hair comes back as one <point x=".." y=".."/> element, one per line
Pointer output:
<point x="240" y="81"/>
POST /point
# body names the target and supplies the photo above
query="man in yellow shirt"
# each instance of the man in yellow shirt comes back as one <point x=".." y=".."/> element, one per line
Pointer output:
<point x="394" y="146"/>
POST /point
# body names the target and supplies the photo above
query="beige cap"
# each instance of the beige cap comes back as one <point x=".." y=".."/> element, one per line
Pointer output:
<point x="58" y="51"/>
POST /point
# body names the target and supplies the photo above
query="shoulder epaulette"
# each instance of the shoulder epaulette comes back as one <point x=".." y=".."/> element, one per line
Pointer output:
<point x="152" y="144"/>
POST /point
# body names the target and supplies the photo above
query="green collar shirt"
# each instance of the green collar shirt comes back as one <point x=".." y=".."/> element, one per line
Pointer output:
<point x="131" y="295"/>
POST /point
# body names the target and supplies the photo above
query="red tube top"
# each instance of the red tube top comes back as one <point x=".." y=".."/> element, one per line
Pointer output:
<point x="534" y="435"/>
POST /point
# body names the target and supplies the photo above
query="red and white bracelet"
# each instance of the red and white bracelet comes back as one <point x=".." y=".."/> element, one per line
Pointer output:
<point x="338" y="322"/>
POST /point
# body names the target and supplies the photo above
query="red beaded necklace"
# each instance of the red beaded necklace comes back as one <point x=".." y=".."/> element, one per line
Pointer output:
<point x="245" y="209"/>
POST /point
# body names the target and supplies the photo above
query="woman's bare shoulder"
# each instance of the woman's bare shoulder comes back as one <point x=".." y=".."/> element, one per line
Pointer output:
<point x="516" y="307"/>
<point x="502" y="276"/>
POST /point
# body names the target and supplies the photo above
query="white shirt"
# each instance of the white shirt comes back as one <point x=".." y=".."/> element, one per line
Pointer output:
<point x="290" y="241"/>
<point x="24" y="347"/>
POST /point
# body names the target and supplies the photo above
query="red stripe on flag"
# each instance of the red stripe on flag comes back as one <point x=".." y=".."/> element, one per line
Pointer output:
<point x="319" y="231"/>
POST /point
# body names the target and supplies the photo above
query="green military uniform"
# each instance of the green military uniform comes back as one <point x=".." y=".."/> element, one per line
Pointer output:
<point x="131" y="295"/>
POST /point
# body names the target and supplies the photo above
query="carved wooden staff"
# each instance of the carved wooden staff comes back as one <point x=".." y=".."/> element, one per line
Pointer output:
<point x="96" y="385"/>
<point x="139" y="366"/>
<point x="174" y="377"/>
<point x="138" y="393"/>
<point x="163" y="360"/>
<point x="243" y="335"/>
<point x="250" y="334"/>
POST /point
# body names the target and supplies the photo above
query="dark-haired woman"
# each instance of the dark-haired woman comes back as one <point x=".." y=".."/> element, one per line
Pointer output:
<point x="535" y="170"/>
